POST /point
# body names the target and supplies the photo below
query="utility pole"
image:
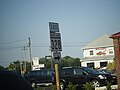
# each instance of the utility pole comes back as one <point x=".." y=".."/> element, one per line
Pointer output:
<point x="30" y="49"/>
<point x="24" y="68"/>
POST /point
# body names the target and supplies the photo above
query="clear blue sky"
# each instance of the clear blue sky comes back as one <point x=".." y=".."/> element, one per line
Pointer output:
<point x="80" y="22"/>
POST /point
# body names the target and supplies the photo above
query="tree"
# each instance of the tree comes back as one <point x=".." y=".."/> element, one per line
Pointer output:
<point x="111" y="66"/>
<point x="18" y="66"/>
<point x="2" y="68"/>
<point x="68" y="61"/>
<point x="46" y="62"/>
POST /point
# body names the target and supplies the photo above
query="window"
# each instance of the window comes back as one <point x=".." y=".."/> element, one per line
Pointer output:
<point x="103" y="64"/>
<point x="78" y="71"/>
<point x="110" y="51"/>
<point x="33" y="73"/>
<point x="91" y="65"/>
<point x="91" y="52"/>
<point x="68" y="71"/>
<point x="45" y="73"/>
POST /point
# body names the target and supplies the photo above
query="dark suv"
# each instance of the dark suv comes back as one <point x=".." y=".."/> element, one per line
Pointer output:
<point x="40" y="77"/>
<point x="81" y="75"/>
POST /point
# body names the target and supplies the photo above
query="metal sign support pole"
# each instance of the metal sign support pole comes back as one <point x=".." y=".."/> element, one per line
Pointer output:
<point x="57" y="77"/>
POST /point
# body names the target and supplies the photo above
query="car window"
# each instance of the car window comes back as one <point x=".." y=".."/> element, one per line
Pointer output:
<point x="90" y="70"/>
<point x="33" y="73"/>
<point x="78" y="71"/>
<point x="45" y="72"/>
<point x="68" y="72"/>
<point x="40" y="73"/>
<point x="50" y="72"/>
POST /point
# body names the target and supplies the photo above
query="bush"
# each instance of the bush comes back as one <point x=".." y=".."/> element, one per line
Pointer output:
<point x="88" y="86"/>
<point x="53" y="87"/>
<point x="111" y="66"/>
<point x="108" y="87"/>
<point x="71" y="86"/>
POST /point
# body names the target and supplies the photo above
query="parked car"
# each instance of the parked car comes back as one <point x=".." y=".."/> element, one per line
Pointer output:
<point x="43" y="77"/>
<point x="13" y="81"/>
<point x="113" y="75"/>
<point x="81" y="75"/>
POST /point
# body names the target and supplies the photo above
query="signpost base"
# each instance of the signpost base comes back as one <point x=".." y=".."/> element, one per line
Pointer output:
<point x="57" y="77"/>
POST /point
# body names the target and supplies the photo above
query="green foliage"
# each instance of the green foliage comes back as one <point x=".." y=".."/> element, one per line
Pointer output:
<point x="15" y="66"/>
<point x="53" y="87"/>
<point x="69" y="61"/>
<point x="46" y="62"/>
<point x="111" y="66"/>
<point x="38" y="88"/>
<point x="2" y="68"/>
<point x="108" y="87"/>
<point x="88" y="86"/>
<point x="71" y="86"/>
<point x="65" y="61"/>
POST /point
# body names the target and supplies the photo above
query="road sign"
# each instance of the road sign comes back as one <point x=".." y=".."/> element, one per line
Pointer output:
<point x="57" y="57"/>
<point x="54" y="27"/>
<point x="55" y="39"/>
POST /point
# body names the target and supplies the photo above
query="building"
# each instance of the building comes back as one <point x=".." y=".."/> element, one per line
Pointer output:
<point x="98" y="53"/>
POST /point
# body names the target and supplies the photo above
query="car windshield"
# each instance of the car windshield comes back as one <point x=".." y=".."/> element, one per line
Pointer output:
<point x="90" y="70"/>
<point x="105" y="71"/>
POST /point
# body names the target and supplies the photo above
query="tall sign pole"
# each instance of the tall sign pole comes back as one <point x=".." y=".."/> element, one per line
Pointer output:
<point x="56" y="47"/>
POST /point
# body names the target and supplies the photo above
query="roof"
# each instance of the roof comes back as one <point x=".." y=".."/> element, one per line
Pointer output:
<point x="104" y="41"/>
<point x="116" y="35"/>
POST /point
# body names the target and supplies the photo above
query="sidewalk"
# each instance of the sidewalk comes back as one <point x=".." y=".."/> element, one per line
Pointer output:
<point x="104" y="87"/>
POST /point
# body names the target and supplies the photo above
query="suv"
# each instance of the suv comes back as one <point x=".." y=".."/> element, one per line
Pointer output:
<point x="81" y="75"/>
<point x="40" y="77"/>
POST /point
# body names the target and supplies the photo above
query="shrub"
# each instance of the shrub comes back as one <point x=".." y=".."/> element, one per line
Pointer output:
<point x="108" y="87"/>
<point x="53" y="87"/>
<point x="71" y="86"/>
<point x="88" y="86"/>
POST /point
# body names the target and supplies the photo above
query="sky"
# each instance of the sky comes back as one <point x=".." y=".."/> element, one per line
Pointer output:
<point x="80" y="22"/>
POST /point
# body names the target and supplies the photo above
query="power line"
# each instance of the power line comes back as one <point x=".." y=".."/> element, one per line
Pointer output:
<point x="12" y="42"/>
<point x="10" y="48"/>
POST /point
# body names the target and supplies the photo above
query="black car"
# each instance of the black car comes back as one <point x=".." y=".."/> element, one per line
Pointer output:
<point x="43" y="77"/>
<point x="10" y="80"/>
<point x="113" y="75"/>
<point x="81" y="75"/>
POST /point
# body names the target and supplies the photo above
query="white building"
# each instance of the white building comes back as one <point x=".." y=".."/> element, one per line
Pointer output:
<point x="98" y="53"/>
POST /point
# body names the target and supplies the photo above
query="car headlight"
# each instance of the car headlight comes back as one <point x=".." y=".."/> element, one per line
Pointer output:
<point x="102" y="77"/>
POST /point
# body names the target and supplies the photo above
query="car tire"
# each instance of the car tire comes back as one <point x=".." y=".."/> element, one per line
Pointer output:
<point x="62" y="86"/>
<point x="95" y="83"/>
